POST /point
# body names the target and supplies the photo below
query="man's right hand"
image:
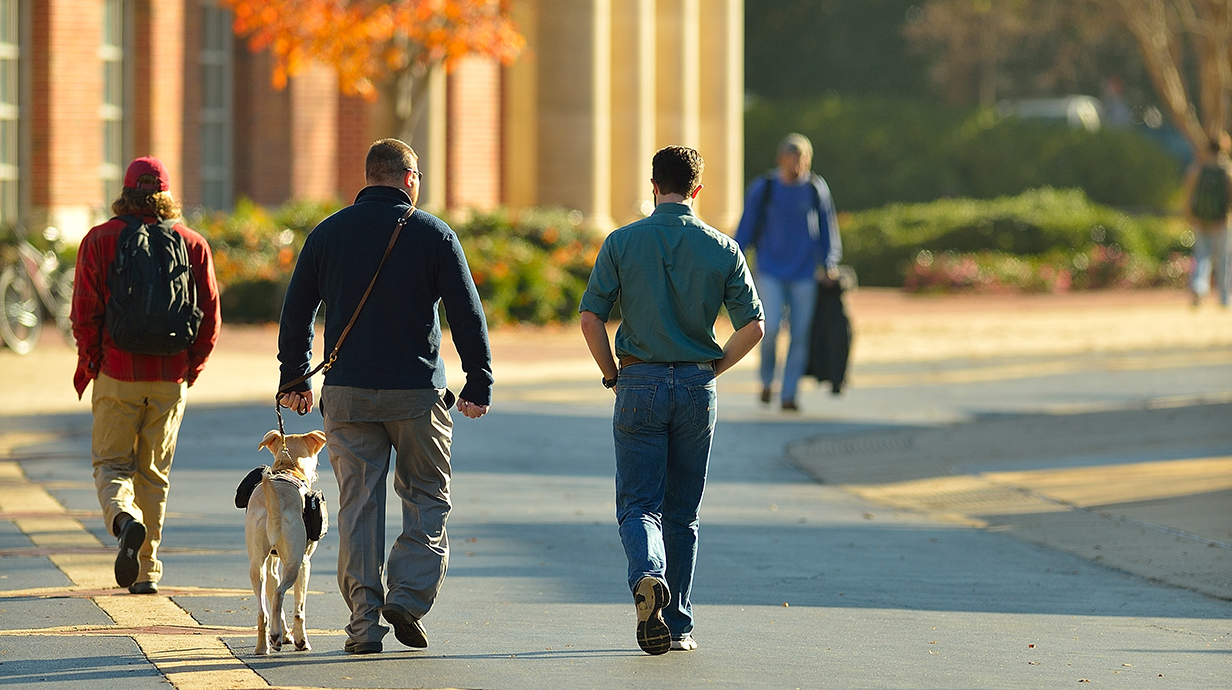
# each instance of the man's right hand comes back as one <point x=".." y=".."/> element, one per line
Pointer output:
<point x="300" y="402"/>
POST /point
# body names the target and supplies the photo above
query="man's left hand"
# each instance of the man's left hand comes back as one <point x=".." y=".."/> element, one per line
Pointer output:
<point x="471" y="410"/>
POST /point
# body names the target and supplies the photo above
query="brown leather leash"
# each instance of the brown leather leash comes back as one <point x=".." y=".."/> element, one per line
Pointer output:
<point x="327" y="363"/>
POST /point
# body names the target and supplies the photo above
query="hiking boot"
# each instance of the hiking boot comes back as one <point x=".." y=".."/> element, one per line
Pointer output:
<point x="143" y="588"/>
<point x="132" y="536"/>
<point x="684" y="644"/>
<point x="407" y="628"/>
<point x="651" y="596"/>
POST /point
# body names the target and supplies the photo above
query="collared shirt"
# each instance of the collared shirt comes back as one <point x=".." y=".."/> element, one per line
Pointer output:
<point x="95" y="349"/>
<point x="670" y="273"/>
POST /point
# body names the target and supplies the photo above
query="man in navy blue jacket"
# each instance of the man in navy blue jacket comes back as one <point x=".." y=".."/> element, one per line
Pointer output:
<point x="387" y="388"/>
<point x="789" y="222"/>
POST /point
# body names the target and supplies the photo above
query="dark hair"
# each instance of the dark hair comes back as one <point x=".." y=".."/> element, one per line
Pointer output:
<point x="388" y="160"/>
<point x="141" y="201"/>
<point x="677" y="169"/>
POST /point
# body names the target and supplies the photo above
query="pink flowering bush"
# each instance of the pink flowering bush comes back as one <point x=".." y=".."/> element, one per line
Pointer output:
<point x="992" y="272"/>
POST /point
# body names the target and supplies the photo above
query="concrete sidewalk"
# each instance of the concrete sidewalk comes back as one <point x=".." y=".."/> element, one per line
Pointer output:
<point x="969" y="419"/>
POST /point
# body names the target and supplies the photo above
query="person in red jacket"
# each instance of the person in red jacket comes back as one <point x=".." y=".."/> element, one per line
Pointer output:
<point x="138" y="400"/>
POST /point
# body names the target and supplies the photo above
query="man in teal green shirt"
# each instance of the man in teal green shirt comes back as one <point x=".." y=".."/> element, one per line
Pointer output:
<point x="670" y="273"/>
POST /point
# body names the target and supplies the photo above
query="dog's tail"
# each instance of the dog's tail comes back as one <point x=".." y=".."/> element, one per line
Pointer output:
<point x="273" y="516"/>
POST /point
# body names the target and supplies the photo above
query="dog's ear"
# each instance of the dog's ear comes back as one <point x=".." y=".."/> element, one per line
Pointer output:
<point x="315" y="441"/>
<point x="270" y="439"/>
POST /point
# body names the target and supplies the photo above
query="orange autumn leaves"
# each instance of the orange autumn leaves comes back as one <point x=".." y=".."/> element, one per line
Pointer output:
<point x="367" y="41"/>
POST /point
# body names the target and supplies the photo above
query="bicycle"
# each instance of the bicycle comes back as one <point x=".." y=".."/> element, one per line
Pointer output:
<point x="34" y="287"/>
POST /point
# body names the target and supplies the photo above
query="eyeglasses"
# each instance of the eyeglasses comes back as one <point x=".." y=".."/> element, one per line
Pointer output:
<point x="418" y="174"/>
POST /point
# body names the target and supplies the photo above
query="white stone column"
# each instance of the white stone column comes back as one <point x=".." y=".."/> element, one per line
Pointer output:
<point x="678" y="37"/>
<point x="430" y="142"/>
<point x="520" y="121"/>
<point x="722" y="111"/>
<point x="633" y="108"/>
<point x="574" y="139"/>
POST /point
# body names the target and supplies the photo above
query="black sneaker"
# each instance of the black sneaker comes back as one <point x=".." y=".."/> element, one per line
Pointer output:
<point x="143" y="588"/>
<point x="407" y="628"/>
<point x="357" y="647"/>
<point x="650" y="596"/>
<point x="126" y="566"/>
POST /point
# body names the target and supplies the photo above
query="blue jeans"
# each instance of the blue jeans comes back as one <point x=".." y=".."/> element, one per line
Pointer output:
<point x="798" y="297"/>
<point x="1210" y="252"/>
<point x="663" y="424"/>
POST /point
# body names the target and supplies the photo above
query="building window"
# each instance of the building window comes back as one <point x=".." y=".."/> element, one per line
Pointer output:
<point x="10" y="53"/>
<point x="111" y="112"/>
<point x="216" y="108"/>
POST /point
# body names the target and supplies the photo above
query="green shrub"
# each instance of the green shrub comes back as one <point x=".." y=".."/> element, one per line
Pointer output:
<point x="887" y="245"/>
<point x="875" y="152"/>
<point x="529" y="266"/>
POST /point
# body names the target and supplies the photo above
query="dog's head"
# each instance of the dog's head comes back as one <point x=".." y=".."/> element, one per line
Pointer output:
<point x="302" y="450"/>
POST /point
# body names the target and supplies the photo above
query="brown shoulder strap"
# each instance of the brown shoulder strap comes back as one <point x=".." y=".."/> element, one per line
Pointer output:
<point x="333" y="356"/>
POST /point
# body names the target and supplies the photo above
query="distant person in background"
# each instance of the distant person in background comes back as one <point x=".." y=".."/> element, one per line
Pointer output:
<point x="789" y="221"/>
<point x="1208" y="193"/>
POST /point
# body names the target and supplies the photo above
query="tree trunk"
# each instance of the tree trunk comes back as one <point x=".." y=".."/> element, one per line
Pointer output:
<point x="1158" y="41"/>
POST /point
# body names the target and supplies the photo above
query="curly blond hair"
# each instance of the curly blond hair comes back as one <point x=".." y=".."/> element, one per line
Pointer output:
<point x="137" y="201"/>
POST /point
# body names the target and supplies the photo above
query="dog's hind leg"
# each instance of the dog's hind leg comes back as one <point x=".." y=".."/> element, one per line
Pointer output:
<point x="256" y="573"/>
<point x="273" y="604"/>
<point x="300" y="632"/>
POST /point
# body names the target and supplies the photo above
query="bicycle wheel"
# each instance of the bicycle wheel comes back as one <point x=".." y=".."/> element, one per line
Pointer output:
<point x="62" y="293"/>
<point x="21" y="320"/>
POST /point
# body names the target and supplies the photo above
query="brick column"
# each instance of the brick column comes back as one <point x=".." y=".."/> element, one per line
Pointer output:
<point x="157" y="115"/>
<point x="314" y="133"/>
<point x="66" y="87"/>
<point x="262" y="133"/>
<point x="354" y="138"/>
<point x="473" y="134"/>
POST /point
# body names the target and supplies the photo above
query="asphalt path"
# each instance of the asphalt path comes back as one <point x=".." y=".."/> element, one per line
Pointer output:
<point x="800" y="583"/>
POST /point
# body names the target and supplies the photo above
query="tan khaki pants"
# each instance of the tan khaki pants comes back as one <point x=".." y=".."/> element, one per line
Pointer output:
<point x="135" y="428"/>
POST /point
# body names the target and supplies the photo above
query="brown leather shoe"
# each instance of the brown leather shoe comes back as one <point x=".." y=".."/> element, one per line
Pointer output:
<point x="790" y="406"/>
<point x="765" y="395"/>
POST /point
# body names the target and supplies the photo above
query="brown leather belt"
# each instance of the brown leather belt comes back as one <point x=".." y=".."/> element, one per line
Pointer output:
<point x="630" y="359"/>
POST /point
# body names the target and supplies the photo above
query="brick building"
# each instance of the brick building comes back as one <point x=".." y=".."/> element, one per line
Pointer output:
<point x="86" y="85"/>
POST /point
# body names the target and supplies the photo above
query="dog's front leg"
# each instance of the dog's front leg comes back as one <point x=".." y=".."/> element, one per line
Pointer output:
<point x="273" y="604"/>
<point x="300" y="631"/>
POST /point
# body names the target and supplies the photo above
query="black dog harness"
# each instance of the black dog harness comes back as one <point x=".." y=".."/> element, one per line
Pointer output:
<point x="316" y="516"/>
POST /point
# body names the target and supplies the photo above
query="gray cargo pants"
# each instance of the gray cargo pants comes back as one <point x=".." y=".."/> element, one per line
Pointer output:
<point x="362" y="427"/>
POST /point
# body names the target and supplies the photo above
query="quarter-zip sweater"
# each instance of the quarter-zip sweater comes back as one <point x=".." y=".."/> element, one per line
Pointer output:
<point x="396" y="340"/>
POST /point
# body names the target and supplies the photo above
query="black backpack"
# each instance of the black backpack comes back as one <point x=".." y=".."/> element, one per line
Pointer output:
<point x="1210" y="197"/>
<point x="153" y="308"/>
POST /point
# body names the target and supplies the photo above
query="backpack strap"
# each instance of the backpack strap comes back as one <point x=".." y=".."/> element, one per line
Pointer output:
<point x="760" y="226"/>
